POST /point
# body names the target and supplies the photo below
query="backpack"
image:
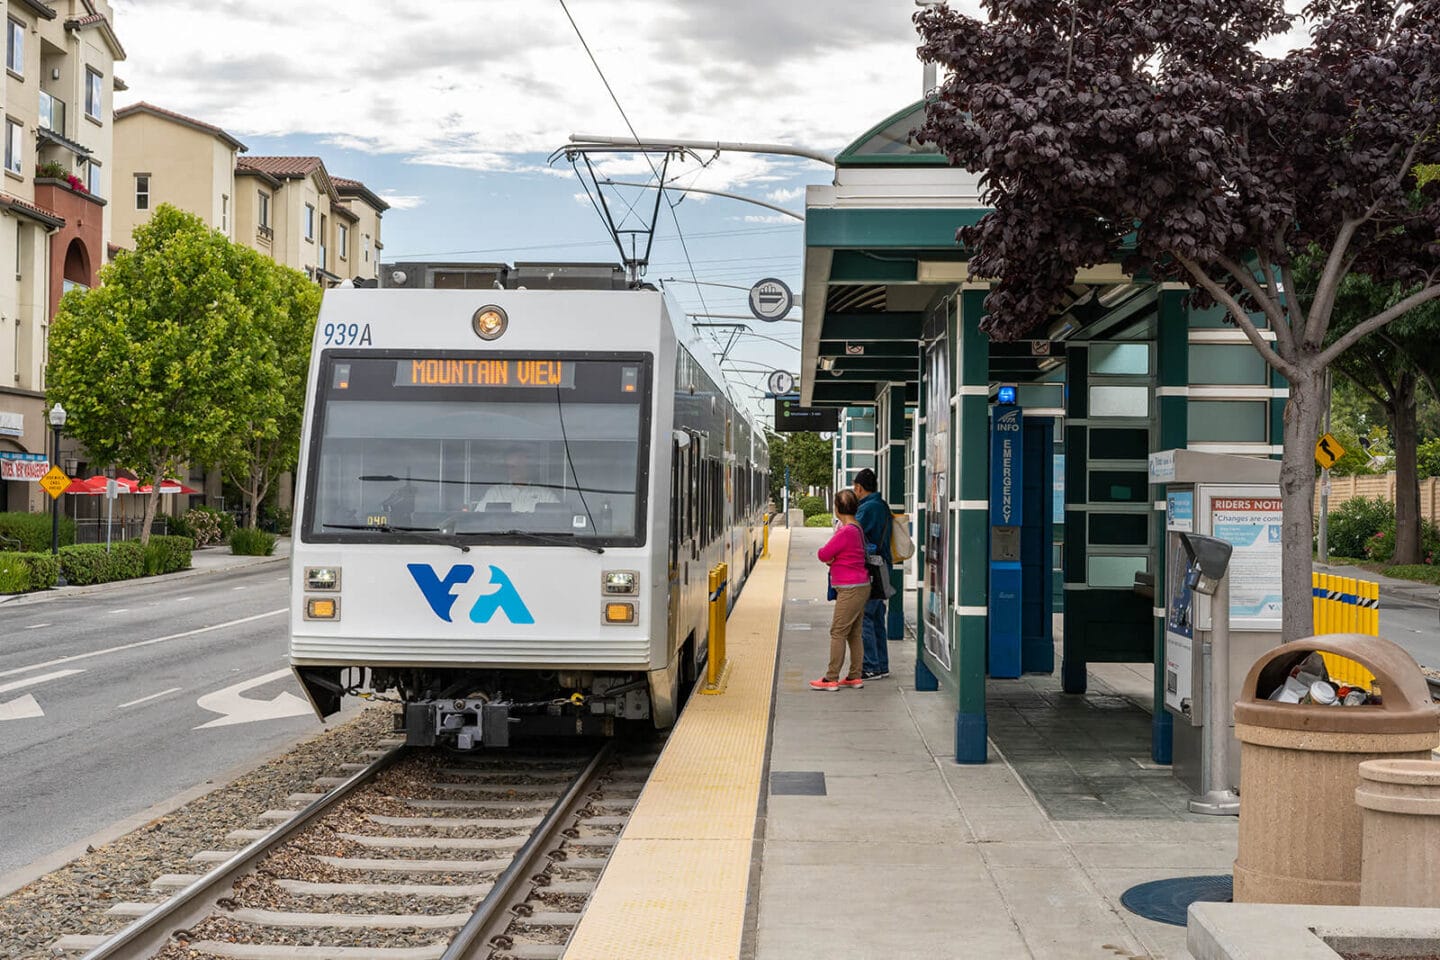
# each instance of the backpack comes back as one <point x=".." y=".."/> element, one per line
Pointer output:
<point x="902" y="548"/>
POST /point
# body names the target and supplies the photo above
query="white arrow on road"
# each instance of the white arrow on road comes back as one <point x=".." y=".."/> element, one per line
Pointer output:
<point x="235" y="708"/>
<point x="21" y="709"/>
<point x="26" y="707"/>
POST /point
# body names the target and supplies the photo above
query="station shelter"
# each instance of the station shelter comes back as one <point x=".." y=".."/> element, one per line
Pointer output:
<point x="1123" y="368"/>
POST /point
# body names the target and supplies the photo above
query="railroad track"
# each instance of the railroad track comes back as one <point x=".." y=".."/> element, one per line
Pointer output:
<point x="415" y="856"/>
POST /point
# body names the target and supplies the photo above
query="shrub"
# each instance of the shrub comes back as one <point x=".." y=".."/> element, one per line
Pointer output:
<point x="33" y="531"/>
<point x="167" y="554"/>
<point x="248" y="542"/>
<point x="23" y="572"/>
<point x="1356" y="522"/>
<point x="811" y="505"/>
<point x="1381" y="547"/>
<point x="88" y="563"/>
<point x="202" y="524"/>
<point x="819" y="520"/>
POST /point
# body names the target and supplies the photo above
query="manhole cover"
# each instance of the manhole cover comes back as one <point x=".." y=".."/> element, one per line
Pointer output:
<point x="1166" y="901"/>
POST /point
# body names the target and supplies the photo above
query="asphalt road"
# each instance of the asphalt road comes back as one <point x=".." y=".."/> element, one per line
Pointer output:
<point x="1414" y="624"/>
<point x="128" y="680"/>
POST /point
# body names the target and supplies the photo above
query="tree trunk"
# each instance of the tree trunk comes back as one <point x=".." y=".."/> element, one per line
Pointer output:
<point x="1303" y="414"/>
<point x="254" y="503"/>
<point x="152" y="506"/>
<point x="1407" y="483"/>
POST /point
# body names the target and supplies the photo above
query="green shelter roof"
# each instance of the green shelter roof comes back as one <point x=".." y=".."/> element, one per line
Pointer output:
<point x="888" y="143"/>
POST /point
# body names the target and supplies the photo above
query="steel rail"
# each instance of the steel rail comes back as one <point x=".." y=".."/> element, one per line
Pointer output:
<point x="513" y="886"/>
<point x="148" y="934"/>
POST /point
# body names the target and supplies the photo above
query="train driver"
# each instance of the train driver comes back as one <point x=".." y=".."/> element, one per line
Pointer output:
<point x="522" y="492"/>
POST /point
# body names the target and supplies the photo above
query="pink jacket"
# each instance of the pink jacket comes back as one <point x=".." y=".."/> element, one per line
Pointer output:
<point x="845" y="552"/>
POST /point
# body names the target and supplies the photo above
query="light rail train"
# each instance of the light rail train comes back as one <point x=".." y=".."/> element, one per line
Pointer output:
<point x="508" y="501"/>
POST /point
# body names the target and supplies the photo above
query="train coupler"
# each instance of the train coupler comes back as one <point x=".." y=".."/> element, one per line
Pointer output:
<point x="463" y="724"/>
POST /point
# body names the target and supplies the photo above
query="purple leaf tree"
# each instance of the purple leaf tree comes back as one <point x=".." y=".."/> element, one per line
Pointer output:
<point x="1158" y="133"/>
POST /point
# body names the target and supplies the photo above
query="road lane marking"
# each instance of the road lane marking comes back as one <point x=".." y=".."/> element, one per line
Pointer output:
<point x="37" y="626"/>
<point x="237" y="588"/>
<point x="181" y="599"/>
<point x="24" y="708"/>
<point x="153" y="696"/>
<point x="235" y="708"/>
<point x="121" y="610"/>
<point x="143" y="643"/>
<point x="33" y="681"/>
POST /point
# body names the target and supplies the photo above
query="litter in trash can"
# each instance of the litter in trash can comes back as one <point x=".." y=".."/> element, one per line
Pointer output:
<point x="1309" y="682"/>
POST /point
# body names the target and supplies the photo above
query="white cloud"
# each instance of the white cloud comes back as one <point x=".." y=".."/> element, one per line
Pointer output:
<point x="773" y="218"/>
<point x="784" y="195"/>
<point x="475" y="85"/>
<point x="398" y="202"/>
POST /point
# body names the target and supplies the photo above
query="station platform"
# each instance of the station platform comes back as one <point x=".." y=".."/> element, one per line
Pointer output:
<point x="867" y="839"/>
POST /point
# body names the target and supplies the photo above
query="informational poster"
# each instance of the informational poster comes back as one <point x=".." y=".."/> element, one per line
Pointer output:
<point x="28" y="467"/>
<point x="1180" y="511"/>
<point x="1252" y="526"/>
<point x="937" y="502"/>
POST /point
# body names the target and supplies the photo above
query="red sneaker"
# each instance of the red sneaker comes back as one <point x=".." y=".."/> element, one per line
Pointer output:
<point x="823" y="684"/>
<point x="857" y="683"/>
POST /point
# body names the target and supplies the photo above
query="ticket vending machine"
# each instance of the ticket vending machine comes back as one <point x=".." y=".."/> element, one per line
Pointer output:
<point x="1235" y="499"/>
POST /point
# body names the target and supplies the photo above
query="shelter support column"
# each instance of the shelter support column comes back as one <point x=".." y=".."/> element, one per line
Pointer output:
<point x="1074" y="674"/>
<point x="970" y="524"/>
<point x="890" y="425"/>
<point x="1171" y="402"/>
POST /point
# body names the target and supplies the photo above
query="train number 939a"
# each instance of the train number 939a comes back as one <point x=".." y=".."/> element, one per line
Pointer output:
<point x="346" y="334"/>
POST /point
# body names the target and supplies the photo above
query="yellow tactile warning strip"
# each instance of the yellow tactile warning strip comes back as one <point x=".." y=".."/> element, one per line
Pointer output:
<point x="675" y="885"/>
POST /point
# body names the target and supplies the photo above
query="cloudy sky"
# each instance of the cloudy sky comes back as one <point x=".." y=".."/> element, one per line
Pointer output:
<point x="450" y="111"/>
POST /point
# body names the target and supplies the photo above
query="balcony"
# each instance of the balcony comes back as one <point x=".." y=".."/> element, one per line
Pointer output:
<point x="52" y="113"/>
<point x="265" y="232"/>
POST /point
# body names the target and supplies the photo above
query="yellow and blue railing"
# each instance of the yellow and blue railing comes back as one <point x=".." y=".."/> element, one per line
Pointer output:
<point x="1345" y="605"/>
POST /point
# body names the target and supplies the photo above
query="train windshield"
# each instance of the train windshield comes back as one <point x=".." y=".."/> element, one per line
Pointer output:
<point x="485" y="447"/>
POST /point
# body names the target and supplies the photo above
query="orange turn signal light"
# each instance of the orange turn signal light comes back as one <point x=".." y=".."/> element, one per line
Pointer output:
<point x="322" y="608"/>
<point x="619" y="613"/>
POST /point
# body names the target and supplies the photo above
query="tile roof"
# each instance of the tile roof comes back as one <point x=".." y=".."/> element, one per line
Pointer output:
<point x="103" y="22"/>
<point x="348" y="187"/>
<point x="288" y="168"/>
<point x="180" y="118"/>
<point x="32" y="210"/>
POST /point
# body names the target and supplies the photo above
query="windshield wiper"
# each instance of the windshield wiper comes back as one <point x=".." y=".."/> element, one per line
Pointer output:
<point x="558" y="539"/>
<point x="427" y="534"/>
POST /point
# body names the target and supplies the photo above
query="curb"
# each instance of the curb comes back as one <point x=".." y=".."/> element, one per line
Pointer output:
<point x="60" y="593"/>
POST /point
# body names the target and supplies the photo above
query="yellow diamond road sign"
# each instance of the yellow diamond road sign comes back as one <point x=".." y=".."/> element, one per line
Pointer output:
<point x="1328" y="451"/>
<point x="55" y="482"/>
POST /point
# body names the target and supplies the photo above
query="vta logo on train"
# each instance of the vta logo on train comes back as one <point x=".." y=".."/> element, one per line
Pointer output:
<point x="440" y="593"/>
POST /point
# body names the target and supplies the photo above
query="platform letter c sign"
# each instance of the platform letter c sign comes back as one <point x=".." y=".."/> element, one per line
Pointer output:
<point x="440" y="593"/>
<point x="504" y="598"/>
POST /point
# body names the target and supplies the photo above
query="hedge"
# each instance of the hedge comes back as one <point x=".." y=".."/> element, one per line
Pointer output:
<point x="88" y="563"/>
<point x="249" y="542"/>
<point x="811" y="505"/>
<point x="23" y="572"/>
<point x="819" y="520"/>
<point x="33" y="532"/>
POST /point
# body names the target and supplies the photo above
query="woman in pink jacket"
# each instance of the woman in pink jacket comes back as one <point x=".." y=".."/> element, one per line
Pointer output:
<point x="845" y="553"/>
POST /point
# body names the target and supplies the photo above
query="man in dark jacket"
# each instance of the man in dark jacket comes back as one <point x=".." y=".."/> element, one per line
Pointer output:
<point x="874" y="519"/>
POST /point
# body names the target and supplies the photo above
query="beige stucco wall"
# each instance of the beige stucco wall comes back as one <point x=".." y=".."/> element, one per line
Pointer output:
<point x="189" y="168"/>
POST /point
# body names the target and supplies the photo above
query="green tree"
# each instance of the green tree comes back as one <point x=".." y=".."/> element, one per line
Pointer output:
<point x="158" y="365"/>
<point x="810" y="459"/>
<point x="285" y="305"/>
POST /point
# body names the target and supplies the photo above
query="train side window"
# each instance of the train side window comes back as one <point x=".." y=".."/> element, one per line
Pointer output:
<point x="674" y="504"/>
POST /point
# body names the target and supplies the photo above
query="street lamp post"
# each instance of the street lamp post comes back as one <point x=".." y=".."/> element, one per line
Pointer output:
<point x="57" y="420"/>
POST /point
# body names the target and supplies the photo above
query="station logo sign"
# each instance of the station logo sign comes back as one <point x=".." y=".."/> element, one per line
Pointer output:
<point x="440" y="593"/>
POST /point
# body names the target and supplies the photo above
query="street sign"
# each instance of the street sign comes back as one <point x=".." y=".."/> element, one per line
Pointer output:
<point x="55" y="482"/>
<point x="1039" y="348"/>
<point x="112" y="489"/>
<point x="1328" y="451"/>
<point x="771" y="300"/>
<point x="781" y="382"/>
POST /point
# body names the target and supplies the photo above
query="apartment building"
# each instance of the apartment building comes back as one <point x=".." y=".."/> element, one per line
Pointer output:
<point x="165" y="157"/>
<point x="55" y="211"/>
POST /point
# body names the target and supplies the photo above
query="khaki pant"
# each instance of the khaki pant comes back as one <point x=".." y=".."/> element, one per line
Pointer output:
<point x="845" y="630"/>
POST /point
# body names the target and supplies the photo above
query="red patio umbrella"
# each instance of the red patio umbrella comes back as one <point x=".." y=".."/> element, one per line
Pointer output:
<point x="168" y="485"/>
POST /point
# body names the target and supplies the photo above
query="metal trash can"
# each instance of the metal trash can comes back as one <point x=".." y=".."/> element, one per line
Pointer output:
<point x="1300" y="828"/>
<point x="1400" y="807"/>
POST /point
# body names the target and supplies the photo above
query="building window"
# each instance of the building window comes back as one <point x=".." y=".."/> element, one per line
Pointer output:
<point x="343" y="240"/>
<point x="309" y="222"/>
<point x="263" y="215"/>
<point x="224" y="214"/>
<point x="92" y="177"/>
<point x="15" y="47"/>
<point x="142" y="191"/>
<point x="365" y="247"/>
<point x="14" y="146"/>
<point x="93" y="100"/>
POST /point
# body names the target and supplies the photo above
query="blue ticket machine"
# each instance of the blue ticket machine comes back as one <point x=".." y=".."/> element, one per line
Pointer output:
<point x="1007" y="457"/>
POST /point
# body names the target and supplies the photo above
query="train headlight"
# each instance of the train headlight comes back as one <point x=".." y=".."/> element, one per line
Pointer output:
<point x="619" y="613"/>
<point x="489" y="323"/>
<point x="322" y="578"/>
<point x="620" y="583"/>
<point x="322" y="608"/>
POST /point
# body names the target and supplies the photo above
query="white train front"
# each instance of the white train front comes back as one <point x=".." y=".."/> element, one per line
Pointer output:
<point x="508" y="502"/>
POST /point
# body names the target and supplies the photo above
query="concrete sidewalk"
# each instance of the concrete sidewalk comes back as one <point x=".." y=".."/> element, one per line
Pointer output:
<point x="203" y="562"/>
<point x="904" y="853"/>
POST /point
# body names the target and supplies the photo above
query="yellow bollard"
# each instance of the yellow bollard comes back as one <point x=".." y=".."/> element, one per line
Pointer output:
<point x="1352" y="608"/>
<point x="765" y="537"/>
<point x="717" y="665"/>
<point x="1317" y="601"/>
